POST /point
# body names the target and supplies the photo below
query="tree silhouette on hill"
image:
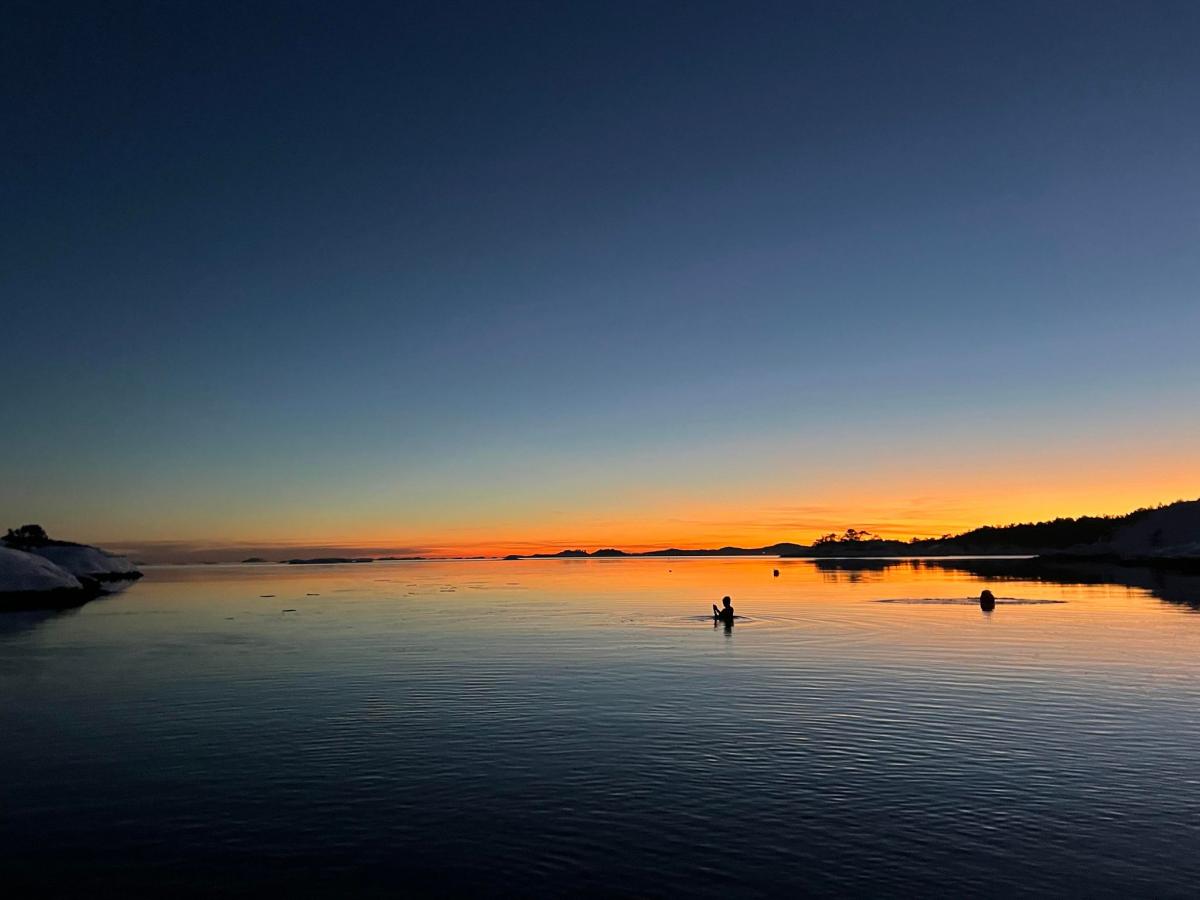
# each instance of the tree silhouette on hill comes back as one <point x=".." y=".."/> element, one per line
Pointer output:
<point x="27" y="536"/>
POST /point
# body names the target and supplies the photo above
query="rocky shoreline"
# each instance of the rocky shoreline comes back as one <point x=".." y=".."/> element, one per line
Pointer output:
<point x="38" y="572"/>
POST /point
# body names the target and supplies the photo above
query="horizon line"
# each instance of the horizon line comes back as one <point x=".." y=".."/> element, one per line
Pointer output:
<point x="192" y="550"/>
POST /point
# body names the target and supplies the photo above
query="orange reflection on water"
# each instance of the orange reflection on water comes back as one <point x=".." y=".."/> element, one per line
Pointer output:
<point x="816" y="609"/>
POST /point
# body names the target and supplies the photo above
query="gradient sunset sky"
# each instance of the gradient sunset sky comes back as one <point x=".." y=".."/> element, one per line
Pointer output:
<point x="481" y="278"/>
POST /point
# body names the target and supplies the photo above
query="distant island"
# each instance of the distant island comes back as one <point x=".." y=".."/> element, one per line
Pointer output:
<point x="1162" y="535"/>
<point x="329" y="560"/>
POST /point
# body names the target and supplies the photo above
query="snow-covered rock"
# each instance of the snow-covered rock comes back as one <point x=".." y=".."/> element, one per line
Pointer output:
<point x="27" y="579"/>
<point x="37" y="571"/>
<point x="83" y="561"/>
<point x="21" y="571"/>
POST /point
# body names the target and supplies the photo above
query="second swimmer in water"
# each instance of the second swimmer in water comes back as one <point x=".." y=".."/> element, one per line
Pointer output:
<point x="724" y="615"/>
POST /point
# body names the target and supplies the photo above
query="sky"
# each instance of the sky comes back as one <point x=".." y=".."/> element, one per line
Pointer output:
<point x="467" y="278"/>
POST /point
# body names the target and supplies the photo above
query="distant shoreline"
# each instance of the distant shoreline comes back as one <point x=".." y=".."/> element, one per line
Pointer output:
<point x="1176" y="564"/>
<point x="1162" y="536"/>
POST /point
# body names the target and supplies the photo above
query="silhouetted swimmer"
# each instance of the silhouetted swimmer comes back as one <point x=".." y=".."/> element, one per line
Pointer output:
<point x="724" y="615"/>
<point x="775" y="572"/>
<point x="987" y="602"/>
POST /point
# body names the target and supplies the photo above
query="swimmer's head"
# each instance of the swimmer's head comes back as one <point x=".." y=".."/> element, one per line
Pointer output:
<point x="726" y="601"/>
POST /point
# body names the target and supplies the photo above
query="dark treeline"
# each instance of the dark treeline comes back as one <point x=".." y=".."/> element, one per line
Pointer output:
<point x="1056" y="534"/>
<point x="1060" y="533"/>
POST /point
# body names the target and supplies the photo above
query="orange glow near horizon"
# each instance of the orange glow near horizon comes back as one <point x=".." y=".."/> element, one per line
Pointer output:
<point x="787" y="482"/>
<point x="694" y="526"/>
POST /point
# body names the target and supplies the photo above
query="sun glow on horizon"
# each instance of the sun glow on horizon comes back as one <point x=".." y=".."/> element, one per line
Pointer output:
<point x="699" y="527"/>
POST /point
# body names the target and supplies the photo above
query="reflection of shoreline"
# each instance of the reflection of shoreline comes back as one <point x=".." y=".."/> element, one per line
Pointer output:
<point x="17" y="621"/>
<point x="1172" y="584"/>
<point x="968" y="601"/>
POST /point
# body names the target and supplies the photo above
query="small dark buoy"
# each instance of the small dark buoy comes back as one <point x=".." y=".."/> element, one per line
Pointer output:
<point x="775" y="572"/>
<point x="987" y="601"/>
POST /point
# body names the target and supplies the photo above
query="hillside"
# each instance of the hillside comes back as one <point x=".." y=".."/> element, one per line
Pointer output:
<point x="1171" y="532"/>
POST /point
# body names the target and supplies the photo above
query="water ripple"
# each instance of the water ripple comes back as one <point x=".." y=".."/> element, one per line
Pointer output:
<point x="578" y="732"/>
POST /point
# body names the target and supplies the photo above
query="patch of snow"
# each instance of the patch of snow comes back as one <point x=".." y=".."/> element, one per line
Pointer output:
<point x="86" y="562"/>
<point x="21" y="572"/>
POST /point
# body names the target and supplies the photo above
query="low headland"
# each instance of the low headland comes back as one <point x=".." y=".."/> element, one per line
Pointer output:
<point x="39" y="572"/>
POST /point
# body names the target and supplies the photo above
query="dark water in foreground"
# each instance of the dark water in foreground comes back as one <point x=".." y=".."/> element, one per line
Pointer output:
<point x="566" y="727"/>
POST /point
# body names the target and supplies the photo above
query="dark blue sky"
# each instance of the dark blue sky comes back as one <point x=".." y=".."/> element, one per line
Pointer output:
<point x="423" y="269"/>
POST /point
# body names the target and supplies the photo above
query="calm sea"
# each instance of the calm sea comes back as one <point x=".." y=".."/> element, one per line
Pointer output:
<point x="580" y="727"/>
